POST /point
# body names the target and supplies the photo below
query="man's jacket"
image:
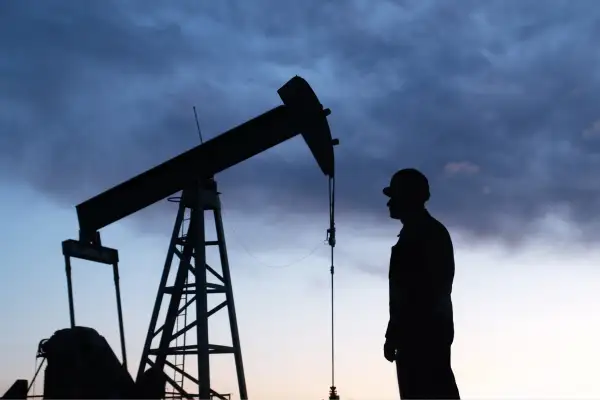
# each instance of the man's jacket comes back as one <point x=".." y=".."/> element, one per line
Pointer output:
<point x="421" y="277"/>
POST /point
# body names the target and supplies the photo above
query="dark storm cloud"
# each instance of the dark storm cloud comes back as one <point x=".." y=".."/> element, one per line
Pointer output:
<point x="497" y="101"/>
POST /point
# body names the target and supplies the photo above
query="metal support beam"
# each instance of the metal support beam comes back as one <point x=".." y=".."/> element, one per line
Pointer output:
<point x="198" y="237"/>
<point x="185" y="380"/>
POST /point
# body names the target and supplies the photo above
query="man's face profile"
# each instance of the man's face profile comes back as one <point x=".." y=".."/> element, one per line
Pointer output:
<point x="396" y="206"/>
<point x="402" y="203"/>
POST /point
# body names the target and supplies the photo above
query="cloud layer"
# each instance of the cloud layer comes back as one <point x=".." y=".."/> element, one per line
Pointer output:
<point x="496" y="101"/>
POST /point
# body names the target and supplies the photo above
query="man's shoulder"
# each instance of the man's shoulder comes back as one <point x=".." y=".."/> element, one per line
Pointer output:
<point x="429" y="228"/>
<point x="439" y="226"/>
<point x="434" y="229"/>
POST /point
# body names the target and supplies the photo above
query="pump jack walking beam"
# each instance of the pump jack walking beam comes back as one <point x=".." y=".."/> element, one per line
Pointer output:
<point x="301" y="113"/>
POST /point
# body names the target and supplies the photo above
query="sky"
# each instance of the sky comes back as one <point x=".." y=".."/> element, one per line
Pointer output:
<point x="497" y="102"/>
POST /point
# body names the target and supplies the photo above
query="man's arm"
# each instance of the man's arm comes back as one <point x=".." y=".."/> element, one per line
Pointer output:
<point x="392" y="327"/>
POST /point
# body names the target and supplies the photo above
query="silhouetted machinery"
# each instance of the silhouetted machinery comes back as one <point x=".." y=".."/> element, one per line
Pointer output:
<point x="80" y="363"/>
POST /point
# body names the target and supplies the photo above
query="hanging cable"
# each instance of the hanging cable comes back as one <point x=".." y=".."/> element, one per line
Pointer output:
<point x="37" y="371"/>
<point x="331" y="241"/>
<point x="237" y="239"/>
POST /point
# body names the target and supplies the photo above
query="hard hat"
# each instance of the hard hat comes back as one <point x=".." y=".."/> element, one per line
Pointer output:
<point x="408" y="181"/>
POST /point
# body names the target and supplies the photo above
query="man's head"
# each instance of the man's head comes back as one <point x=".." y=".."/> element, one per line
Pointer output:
<point x="408" y="192"/>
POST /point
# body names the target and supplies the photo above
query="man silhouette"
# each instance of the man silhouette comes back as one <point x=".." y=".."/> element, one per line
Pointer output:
<point x="421" y="327"/>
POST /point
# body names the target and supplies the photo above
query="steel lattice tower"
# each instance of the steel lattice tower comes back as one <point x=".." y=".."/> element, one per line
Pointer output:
<point x="167" y="346"/>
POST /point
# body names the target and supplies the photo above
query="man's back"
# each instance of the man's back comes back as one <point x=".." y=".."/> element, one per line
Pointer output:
<point x="421" y="277"/>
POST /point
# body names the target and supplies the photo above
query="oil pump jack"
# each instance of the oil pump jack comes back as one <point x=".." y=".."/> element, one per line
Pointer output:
<point x="191" y="173"/>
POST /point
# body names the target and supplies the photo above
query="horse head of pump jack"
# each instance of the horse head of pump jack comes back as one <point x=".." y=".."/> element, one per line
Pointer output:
<point x="311" y="119"/>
